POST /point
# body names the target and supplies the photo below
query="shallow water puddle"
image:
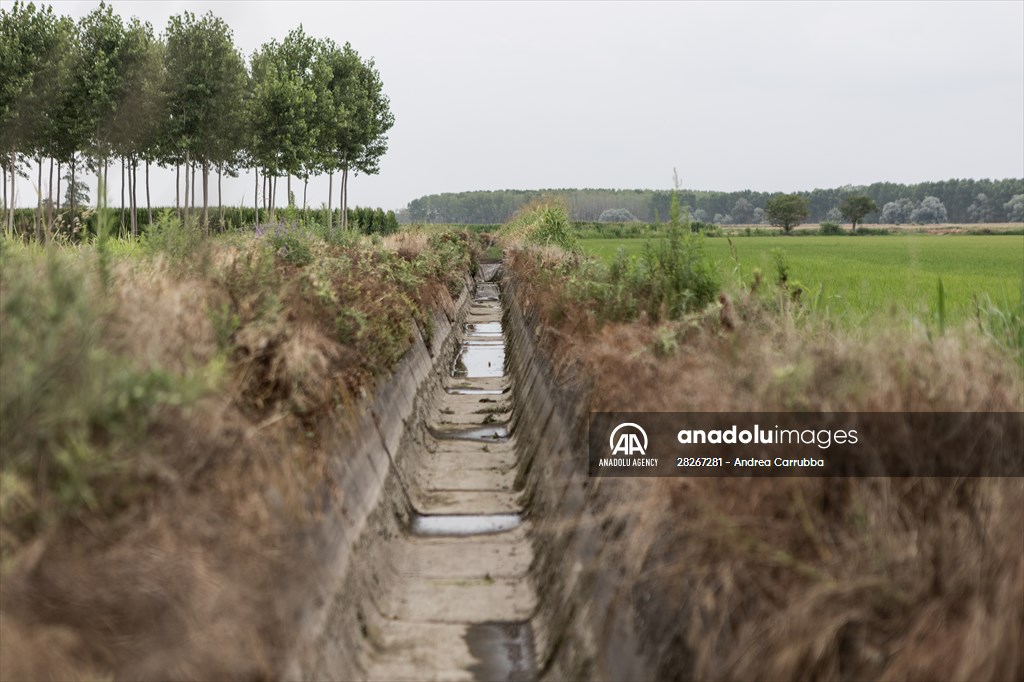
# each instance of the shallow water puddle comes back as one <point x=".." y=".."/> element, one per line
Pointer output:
<point x="505" y="651"/>
<point x="482" y="328"/>
<point x="479" y="359"/>
<point x="484" y="433"/>
<point x="464" y="524"/>
<point x="475" y="391"/>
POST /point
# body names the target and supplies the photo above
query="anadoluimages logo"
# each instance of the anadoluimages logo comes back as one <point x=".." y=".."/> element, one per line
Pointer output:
<point x="628" y="441"/>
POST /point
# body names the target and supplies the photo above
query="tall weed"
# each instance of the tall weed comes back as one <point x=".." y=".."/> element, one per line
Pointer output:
<point x="545" y="223"/>
<point x="172" y="238"/>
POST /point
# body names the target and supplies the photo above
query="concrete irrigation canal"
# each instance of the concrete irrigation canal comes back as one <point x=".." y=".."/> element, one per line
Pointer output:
<point x="462" y="601"/>
<point x="471" y="552"/>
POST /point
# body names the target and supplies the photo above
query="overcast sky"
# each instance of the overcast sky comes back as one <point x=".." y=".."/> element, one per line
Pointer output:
<point x="765" y="96"/>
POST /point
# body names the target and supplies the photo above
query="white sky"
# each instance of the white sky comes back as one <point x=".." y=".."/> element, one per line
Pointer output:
<point x="765" y="96"/>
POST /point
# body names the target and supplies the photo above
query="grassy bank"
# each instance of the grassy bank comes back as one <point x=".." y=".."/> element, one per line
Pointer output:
<point x="162" y="410"/>
<point x="840" y="579"/>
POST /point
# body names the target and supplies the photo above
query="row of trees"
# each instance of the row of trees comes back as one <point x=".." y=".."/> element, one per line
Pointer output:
<point x="789" y="210"/>
<point x="965" y="201"/>
<point x="83" y="95"/>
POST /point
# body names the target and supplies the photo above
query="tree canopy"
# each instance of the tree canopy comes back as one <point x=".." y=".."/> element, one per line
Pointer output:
<point x="855" y="207"/>
<point x="786" y="210"/>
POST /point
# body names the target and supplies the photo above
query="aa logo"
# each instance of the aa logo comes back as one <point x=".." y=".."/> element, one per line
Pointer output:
<point x="628" y="439"/>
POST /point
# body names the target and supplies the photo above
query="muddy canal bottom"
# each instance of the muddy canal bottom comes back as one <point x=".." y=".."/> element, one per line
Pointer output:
<point x="460" y="609"/>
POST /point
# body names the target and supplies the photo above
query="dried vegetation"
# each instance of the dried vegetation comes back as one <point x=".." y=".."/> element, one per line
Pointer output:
<point x="801" y="578"/>
<point x="162" y="411"/>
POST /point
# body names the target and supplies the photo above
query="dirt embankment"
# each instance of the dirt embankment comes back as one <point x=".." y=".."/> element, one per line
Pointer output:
<point x="180" y="440"/>
<point x="916" y="578"/>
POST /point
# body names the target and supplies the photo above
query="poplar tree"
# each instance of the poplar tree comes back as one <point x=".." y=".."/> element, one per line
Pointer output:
<point x="278" y="125"/>
<point x="102" y="74"/>
<point x="205" y="85"/>
<point x="358" y="139"/>
<point x="29" y="48"/>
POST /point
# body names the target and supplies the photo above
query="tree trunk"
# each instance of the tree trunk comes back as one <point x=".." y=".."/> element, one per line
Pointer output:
<point x="256" y="196"/>
<point x="131" y="223"/>
<point x="149" y="207"/>
<point x="133" y="185"/>
<point x="288" y="187"/>
<point x="133" y="188"/>
<point x="74" y="195"/>
<point x="206" y="195"/>
<point x="14" y="180"/>
<point x="330" y="197"/>
<point x="344" y="197"/>
<point x="177" y="189"/>
<point x="341" y="201"/>
<point x="49" y="205"/>
<point x="220" y="197"/>
<point x="193" y="197"/>
<point x="122" y="195"/>
<point x="135" y="196"/>
<point x="305" y="188"/>
<point x="57" y="198"/>
<point x="185" y="219"/>
<point x="39" y="202"/>
<point x="273" y="196"/>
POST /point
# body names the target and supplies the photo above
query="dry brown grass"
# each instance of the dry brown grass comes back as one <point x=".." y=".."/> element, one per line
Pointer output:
<point x="408" y="244"/>
<point x="805" y="578"/>
<point x="188" y="555"/>
<point x="159" y="318"/>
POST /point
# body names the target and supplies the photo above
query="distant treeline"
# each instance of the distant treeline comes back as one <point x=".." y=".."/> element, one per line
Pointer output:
<point x="965" y="201"/>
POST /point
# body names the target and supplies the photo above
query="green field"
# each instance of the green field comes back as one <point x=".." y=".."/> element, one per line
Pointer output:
<point x="854" y="278"/>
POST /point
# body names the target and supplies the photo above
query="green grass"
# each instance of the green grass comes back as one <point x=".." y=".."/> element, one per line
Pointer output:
<point x="853" y="279"/>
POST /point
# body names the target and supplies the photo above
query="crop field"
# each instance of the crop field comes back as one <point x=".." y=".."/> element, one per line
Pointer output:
<point x="852" y="279"/>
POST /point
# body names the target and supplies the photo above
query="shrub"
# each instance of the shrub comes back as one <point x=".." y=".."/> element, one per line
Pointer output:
<point x="291" y="245"/>
<point x="670" y="279"/>
<point x="674" y="276"/>
<point x="545" y="223"/>
<point x="781" y="266"/>
<point x="170" y="237"/>
<point x="829" y="228"/>
<point x="554" y="227"/>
